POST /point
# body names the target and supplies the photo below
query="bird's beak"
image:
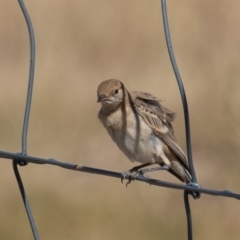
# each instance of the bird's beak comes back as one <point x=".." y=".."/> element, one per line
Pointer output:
<point x="102" y="98"/>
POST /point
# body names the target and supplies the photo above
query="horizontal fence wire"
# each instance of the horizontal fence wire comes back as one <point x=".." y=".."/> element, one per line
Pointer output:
<point x="79" y="167"/>
<point x="23" y="159"/>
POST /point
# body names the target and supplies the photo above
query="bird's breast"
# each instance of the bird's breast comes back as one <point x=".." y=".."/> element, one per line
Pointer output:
<point x="134" y="137"/>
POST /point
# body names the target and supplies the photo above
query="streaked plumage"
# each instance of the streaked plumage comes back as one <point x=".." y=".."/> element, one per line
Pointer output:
<point x="142" y="128"/>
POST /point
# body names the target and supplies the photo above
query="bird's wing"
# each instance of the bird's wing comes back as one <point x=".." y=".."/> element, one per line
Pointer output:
<point x="159" y="119"/>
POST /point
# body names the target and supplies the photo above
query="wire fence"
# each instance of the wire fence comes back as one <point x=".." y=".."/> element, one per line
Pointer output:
<point x="23" y="159"/>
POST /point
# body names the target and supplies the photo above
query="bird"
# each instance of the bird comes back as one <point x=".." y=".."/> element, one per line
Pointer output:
<point x="142" y="129"/>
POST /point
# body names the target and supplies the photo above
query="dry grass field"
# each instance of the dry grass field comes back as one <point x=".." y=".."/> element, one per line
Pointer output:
<point x="78" y="45"/>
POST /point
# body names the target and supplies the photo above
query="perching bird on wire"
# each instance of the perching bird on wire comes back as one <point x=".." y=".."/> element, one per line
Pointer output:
<point x="142" y="128"/>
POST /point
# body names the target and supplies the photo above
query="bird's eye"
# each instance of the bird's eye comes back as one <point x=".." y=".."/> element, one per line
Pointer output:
<point x="116" y="91"/>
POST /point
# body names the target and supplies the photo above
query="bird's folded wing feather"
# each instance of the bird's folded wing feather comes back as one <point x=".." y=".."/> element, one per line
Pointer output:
<point x="159" y="119"/>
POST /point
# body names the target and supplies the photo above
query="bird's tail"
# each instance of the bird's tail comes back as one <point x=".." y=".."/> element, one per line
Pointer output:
<point x="183" y="175"/>
<point x="179" y="171"/>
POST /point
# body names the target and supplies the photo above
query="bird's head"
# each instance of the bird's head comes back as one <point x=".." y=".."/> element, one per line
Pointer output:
<point x="111" y="93"/>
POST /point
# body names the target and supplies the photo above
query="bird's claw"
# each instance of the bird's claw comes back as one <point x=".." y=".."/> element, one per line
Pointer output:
<point x="125" y="175"/>
<point x="131" y="176"/>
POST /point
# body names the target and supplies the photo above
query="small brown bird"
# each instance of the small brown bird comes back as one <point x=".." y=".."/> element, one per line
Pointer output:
<point x="142" y="128"/>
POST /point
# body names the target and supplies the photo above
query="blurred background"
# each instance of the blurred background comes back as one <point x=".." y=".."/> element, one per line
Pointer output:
<point x="78" y="45"/>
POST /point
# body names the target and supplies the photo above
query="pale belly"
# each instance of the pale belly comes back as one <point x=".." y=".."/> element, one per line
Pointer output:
<point x="141" y="146"/>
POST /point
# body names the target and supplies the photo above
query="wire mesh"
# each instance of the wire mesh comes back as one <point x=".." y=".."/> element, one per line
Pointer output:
<point x="22" y="158"/>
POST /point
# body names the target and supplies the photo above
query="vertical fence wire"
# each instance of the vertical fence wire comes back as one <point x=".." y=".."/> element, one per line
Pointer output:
<point x="26" y="120"/>
<point x="181" y="88"/>
<point x="188" y="215"/>
<point x="25" y="201"/>
<point x="31" y="77"/>
<point x="186" y="115"/>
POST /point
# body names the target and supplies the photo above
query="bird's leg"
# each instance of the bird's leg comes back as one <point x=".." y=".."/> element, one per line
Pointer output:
<point x="136" y="168"/>
<point x="133" y="173"/>
<point x="165" y="167"/>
